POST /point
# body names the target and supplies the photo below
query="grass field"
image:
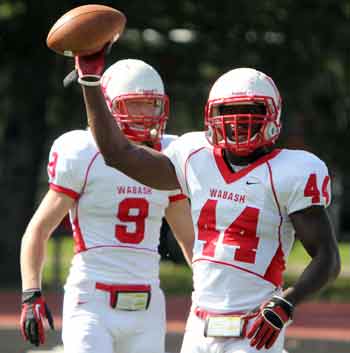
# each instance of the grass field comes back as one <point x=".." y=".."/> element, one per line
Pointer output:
<point x="177" y="279"/>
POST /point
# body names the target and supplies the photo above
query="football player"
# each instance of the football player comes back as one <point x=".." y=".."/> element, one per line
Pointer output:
<point x="249" y="200"/>
<point x="112" y="302"/>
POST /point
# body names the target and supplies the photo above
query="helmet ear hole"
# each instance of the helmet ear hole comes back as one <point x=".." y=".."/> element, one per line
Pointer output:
<point x="271" y="130"/>
<point x="209" y="134"/>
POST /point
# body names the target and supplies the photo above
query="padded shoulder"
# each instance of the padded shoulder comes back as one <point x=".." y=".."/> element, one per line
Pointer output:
<point x="301" y="179"/>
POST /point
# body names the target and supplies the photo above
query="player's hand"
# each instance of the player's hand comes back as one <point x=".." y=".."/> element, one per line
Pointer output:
<point x="271" y="317"/>
<point x="91" y="65"/>
<point x="88" y="66"/>
<point x="34" y="311"/>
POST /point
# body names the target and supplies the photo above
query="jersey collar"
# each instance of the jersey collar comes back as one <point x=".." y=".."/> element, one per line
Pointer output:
<point x="230" y="176"/>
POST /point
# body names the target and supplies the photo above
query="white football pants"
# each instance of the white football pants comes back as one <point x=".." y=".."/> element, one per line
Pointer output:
<point x="90" y="325"/>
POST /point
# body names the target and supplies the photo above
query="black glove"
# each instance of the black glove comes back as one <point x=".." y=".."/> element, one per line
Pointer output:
<point x="271" y="317"/>
<point x="34" y="310"/>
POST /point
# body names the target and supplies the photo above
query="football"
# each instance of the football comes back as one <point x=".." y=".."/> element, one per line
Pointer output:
<point x="85" y="30"/>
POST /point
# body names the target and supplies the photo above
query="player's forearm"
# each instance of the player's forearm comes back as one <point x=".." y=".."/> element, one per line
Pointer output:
<point x="32" y="261"/>
<point x="178" y="216"/>
<point x="323" y="268"/>
<point x="188" y="253"/>
<point x="110" y="140"/>
<point x="140" y="163"/>
<point x="184" y="238"/>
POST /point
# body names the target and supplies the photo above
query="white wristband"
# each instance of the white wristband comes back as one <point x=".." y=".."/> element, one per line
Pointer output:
<point x="90" y="80"/>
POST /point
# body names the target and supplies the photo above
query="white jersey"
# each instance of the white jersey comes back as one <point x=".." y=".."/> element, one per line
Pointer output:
<point x="116" y="220"/>
<point x="242" y="225"/>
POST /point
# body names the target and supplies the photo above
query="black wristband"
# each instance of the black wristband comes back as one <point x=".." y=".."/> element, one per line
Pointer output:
<point x="286" y="306"/>
<point x="30" y="296"/>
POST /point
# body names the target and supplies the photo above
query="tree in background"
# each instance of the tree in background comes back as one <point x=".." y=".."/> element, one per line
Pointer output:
<point x="305" y="47"/>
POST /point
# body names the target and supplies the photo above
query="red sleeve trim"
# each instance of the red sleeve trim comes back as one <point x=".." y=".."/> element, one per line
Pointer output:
<point x="71" y="193"/>
<point x="177" y="197"/>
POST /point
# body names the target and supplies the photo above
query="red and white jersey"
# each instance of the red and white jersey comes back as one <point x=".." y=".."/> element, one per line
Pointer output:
<point x="242" y="225"/>
<point x="116" y="220"/>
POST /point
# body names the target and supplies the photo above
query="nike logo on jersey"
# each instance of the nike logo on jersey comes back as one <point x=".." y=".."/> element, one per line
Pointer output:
<point x="252" y="182"/>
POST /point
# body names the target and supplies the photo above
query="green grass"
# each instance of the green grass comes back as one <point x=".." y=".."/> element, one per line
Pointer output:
<point x="338" y="290"/>
<point x="62" y="250"/>
<point x="299" y="258"/>
<point x="177" y="279"/>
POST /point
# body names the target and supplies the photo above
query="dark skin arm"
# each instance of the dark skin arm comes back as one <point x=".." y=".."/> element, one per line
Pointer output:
<point x="314" y="230"/>
<point x="141" y="163"/>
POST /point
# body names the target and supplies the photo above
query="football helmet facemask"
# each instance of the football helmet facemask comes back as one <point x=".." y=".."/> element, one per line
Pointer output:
<point x="243" y="111"/>
<point x="134" y="92"/>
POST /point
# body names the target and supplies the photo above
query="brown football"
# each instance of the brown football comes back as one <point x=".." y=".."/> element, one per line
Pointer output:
<point x="85" y="29"/>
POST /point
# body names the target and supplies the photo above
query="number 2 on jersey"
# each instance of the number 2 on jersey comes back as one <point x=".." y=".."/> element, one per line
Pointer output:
<point x="241" y="233"/>
<point x="125" y="214"/>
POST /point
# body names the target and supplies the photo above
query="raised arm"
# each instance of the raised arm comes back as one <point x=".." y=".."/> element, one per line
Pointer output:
<point x="140" y="163"/>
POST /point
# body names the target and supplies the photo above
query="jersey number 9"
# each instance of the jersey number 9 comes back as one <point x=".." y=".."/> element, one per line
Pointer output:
<point x="135" y="211"/>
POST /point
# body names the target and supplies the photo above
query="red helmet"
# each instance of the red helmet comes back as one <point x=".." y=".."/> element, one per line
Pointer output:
<point x="128" y="81"/>
<point x="243" y="111"/>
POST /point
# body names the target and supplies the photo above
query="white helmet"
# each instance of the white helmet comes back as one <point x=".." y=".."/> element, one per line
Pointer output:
<point x="132" y="79"/>
<point x="246" y="103"/>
